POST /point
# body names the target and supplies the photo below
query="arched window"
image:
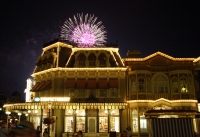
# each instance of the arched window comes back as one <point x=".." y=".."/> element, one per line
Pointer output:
<point x="143" y="124"/>
<point x="160" y="83"/>
<point x="92" y="60"/>
<point x="133" y="85"/>
<point x="183" y="84"/>
<point x="135" y="120"/>
<point x="102" y="60"/>
<point x="174" y="86"/>
<point x="141" y="84"/>
<point x="81" y="59"/>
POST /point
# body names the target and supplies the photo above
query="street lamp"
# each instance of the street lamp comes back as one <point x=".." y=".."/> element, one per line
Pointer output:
<point x="26" y="115"/>
<point x="29" y="111"/>
<point x="19" y="114"/>
<point x="8" y="113"/>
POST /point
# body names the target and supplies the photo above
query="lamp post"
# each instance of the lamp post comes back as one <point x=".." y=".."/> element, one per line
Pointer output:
<point x="49" y="107"/>
<point x="29" y="111"/>
<point x="19" y="114"/>
<point x="26" y="116"/>
<point x="8" y="113"/>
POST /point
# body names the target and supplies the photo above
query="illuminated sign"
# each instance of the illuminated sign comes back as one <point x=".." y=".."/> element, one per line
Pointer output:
<point x="60" y="99"/>
<point x="37" y="99"/>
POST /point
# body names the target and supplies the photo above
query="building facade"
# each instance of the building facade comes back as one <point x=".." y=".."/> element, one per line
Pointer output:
<point x="97" y="92"/>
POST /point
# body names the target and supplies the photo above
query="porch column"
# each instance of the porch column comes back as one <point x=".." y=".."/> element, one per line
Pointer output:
<point x="59" y="113"/>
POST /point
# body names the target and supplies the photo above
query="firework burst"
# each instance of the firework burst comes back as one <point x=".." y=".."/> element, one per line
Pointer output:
<point x="84" y="31"/>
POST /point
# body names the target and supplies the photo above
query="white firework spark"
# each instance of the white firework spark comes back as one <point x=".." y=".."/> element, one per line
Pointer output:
<point x="84" y="31"/>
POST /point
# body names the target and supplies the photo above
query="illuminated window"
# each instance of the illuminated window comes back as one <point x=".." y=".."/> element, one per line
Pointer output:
<point x="174" y="85"/>
<point x="133" y="85"/>
<point x="69" y="124"/>
<point x="103" y="121"/>
<point x="114" y="120"/>
<point x="135" y="120"/>
<point x="183" y="84"/>
<point x="80" y="120"/>
<point x="141" y="85"/>
<point x="160" y="83"/>
<point x="143" y="124"/>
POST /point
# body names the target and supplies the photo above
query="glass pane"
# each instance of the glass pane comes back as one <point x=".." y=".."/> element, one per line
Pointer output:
<point x="102" y="112"/>
<point x="143" y="124"/>
<point x="69" y="112"/>
<point x="114" y="112"/>
<point x="103" y="124"/>
<point x="135" y="121"/>
<point x="69" y="124"/>
<point x="80" y="124"/>
<point x="80" y="112"/>
<point x="114" y="124"/>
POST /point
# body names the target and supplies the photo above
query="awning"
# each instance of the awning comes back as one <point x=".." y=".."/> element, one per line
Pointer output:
<point x="81" y="83"/>
<point x="46" y="85"/>
<point x="113" y="83"/>
<point x="102" y="83"/>
<point x="183" y="113"/>
<point x="64" y="105"/>
<point x="34" y="87"/>
<point x="38" y="88"/>
<point x="91" y="83"/>
<point x="70" y="83"/>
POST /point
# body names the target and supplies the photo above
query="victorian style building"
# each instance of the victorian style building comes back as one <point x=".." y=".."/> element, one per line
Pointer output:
<point x="97" y="92"/>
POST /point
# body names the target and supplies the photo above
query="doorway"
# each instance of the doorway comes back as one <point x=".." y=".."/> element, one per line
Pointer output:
<point x="92" y="124"/>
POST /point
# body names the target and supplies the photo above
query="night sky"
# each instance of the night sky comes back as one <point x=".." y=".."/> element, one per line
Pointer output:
<point x="149" y="26"/>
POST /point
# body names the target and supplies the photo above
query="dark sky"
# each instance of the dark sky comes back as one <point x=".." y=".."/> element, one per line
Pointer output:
<point x="168" y="26"/>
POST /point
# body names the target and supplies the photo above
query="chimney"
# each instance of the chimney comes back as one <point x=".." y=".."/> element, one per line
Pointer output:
<point x="133" y="54"/>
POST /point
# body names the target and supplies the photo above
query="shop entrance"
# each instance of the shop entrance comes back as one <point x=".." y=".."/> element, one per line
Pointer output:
<point x="92" y="124"/>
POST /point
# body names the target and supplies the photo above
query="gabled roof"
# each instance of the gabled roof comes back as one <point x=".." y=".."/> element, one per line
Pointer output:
<point x="156" y="54"/>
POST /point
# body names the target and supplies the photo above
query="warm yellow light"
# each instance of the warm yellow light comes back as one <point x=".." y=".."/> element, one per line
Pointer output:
<point x="8" y="113"/>
<point x="19" y="114"/>
<point x="113" y="112"/>
<point x="29" y="111"/>
<point x="159" y="53"/>
<point x="52" y="99"/>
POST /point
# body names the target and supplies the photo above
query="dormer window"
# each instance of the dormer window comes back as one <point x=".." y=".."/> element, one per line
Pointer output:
<point x="102" y="60"/>
<point x="92" y="60"/>
<point x="81" y="60"/>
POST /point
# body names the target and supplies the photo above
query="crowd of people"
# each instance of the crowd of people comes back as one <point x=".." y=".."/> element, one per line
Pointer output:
<point x="127" y="132"/>
<point x="23" y="129"/>
<point x="26" y="129"/>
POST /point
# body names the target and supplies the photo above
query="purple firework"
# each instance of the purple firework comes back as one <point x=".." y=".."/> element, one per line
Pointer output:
<point x="84" y="31"/>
